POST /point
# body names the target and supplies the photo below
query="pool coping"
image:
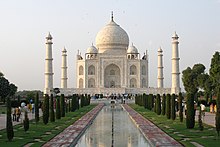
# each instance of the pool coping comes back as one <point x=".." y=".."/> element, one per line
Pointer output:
<point x="71" y="135"/>
<point x="154" y="135"/>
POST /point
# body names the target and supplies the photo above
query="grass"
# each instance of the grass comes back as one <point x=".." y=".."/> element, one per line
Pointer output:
<point x="38" y="134"/>
<point x="176" y="129"/>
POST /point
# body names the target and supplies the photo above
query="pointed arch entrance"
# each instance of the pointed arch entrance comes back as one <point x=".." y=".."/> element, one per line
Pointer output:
<point x="112" y="77"/>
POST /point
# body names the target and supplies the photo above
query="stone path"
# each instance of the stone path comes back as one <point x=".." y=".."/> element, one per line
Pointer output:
<point x="71" y="134"/>
<point x="152" y="133"/>
<point x="3" y="119"/>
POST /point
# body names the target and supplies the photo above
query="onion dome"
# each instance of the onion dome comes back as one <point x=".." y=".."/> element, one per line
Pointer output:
<point x="132" y="49"/>
<point x="92" y="50"/>
<point x="111" y="36"/>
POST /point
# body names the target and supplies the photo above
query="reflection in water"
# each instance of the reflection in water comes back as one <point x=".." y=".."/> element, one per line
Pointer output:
<point x="99" y="134"/>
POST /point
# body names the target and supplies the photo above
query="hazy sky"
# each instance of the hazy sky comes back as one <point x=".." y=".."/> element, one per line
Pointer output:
<point x="74" y="24"/>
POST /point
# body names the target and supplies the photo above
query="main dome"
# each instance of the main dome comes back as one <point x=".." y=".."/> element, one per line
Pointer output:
<point x="112" y="35"/>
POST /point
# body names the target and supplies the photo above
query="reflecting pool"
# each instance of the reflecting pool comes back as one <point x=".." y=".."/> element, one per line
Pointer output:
<point x="112" y="128"/>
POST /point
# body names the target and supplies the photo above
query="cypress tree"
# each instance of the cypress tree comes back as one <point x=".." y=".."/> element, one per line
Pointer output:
<point x="145" y="100"/>
<point x="200" y="119"/>
<point x="180" y="107"/>
<point x="36" y="109"/>
<point x="217" y="116"/>
<point x="168" y="106"/>
<point x="9" y="126"/>
<point x="77" y="101"/>
<point x="69" y="104"/>
<point x="158" y="104"/>
<point x="173" y="110"/>
<point x="52" y="116"/>
<point x="151" y="97"/>
<point x="82" y="98"/>
<point x="58" y="114"/>
<point x="62" y="105"/>
<point x="26" y="121"/>
<point x="46" y="109"/>
<point x="190" y="116"/>
<point x="163" y="104"/>
<point x="72" y="103"/>
<point x="154" y="101"/>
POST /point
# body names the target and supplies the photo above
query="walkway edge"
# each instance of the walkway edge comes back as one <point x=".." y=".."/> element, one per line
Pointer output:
<point x="154" y="135"/>
<point x="71" y="135"/>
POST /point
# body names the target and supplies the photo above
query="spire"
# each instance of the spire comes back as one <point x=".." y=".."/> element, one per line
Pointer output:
<point x="64" y="49"/>
<point x="112" y="17"/>
<point x="49" y="37"/>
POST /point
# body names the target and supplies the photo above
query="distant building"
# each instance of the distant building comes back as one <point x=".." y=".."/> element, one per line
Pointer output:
<point x="112" y="66"/>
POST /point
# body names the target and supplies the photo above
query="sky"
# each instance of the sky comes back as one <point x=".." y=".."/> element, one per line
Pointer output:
<point x="75" y="24"/>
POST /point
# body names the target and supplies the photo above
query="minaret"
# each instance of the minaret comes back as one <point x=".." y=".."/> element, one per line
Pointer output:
<point x="64" y="69"/>
<point x="48" y="88"/>
<point x="160" y="69"/>
<point x="175" y="89"/>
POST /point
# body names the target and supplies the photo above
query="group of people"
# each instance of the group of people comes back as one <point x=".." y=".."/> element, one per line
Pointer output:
<point x="16" y="114"/>
<point x="213" y="108"/>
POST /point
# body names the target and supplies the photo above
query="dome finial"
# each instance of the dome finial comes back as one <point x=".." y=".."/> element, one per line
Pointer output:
<point x="112" y="16"/>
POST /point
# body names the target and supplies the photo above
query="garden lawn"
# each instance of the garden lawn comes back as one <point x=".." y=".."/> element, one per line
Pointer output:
<point x="39" y="133"/>
<point x="176" y="129"/>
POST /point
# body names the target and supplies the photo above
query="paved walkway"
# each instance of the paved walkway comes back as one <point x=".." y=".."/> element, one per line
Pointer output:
<point x="72" y="133"/>
<point x="3" y="119"/>
<point x="208" y="119"/>
<point x="152" y="133"/>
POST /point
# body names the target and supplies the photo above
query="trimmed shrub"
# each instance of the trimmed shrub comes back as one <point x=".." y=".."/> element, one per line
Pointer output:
<point x="151" y="101"/>
<point x="190" y="115"/>
<point x="163" y="111"/>
<point x="52" y="116"/>
<point x="58" y="114"/>
<point x="158" y="104"/>
<point x="46" y="109"/>
<point x="173" y="109"/>
<point x="168" y="106"/>
<point x="62" y="105"/>
<point x="36" y="109"/>
<point x="180" y="107"/>
<point x="26" y="121"/>
<point x="145" y="100"/>
<point x="9" y="126"/>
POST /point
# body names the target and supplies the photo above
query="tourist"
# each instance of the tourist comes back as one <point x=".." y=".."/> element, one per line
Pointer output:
<point x="14" y="114"/>
<point x="211" y="108"/>
<point x="195" y="107"/>
<point x="185" y="107"/>
<point x="202" y="109"/>
<point x="32" y="105"/>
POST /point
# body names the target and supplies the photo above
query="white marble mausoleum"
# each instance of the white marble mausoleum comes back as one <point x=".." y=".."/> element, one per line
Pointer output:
<point x="112" y="66"/>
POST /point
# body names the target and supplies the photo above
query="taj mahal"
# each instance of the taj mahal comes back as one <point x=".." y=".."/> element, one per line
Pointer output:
<point x="112" y="66"/>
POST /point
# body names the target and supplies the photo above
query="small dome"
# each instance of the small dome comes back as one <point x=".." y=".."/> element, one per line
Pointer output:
<point x="112" y="35"/>
<point x="92" y="50"/>
<point x="132" y="49"/>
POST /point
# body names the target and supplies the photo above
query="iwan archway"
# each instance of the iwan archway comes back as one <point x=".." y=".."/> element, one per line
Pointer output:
<point x="112" y="77"/>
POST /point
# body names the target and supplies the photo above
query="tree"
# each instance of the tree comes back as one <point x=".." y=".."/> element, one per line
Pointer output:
<point x="158" y="104"/>
<point x="200" y="119"/>
<point x="173" y="110"/>
<point x="36" y="105"/>
<point x="13" y="89"/>
<point x="191" y="84"/>
<point x="151" y="101"/>
<point x="180" y="107"/>
<point x="58" y="114"/>
<point x="9" y="126"/>
<point x="52" y="116"/>
<point x="145" y="100"/>
<point x="217" y="116"/>
<point x="163" y="104"/>
<point x="26" y="121"/>
<point x="190" y="115"/>
<point x="46" y="109"/>
<point x="214" y="71"/>
<point x="62" y="105"/>
<point x="4" y="88"/>
<point x="168" y="106"/>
